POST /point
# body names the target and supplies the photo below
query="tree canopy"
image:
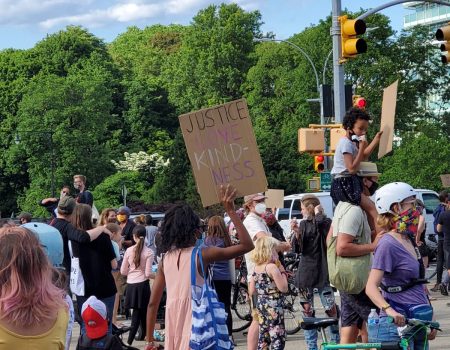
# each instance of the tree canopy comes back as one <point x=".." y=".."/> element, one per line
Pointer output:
<point x="74" y="103"/>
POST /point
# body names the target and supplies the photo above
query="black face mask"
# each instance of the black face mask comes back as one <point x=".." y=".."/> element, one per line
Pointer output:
<point x="373" y="188"/>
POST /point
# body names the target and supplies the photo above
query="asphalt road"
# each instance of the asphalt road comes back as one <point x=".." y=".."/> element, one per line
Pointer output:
<point x="296" y="342"/>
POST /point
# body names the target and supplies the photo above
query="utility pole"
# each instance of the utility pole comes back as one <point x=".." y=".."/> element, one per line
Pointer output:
<point x="338" y="68"/>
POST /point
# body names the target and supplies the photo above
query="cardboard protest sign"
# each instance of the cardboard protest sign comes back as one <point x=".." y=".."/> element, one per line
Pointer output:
<point x="275" y="198"/>
<point x="222" y="149"/>
<point x="445" y="180"/>
<point x="388" y="119"/>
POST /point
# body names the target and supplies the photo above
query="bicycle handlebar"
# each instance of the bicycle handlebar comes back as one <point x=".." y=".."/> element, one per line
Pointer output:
<point x="417" y="322"/>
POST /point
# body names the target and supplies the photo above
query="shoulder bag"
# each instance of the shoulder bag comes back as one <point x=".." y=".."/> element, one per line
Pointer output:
<point x="76" y="276"/>
<point x="209" y="329"/>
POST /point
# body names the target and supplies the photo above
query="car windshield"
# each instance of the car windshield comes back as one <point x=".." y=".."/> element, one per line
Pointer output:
<point x="431" y="201"/>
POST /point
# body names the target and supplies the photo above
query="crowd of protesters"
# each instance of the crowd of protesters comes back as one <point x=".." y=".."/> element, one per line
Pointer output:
<point x="139" y="266"/>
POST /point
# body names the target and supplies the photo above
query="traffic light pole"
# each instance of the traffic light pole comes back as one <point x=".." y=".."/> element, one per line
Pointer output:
<point x="318" y="86"/>
<point x="338" y="69"/>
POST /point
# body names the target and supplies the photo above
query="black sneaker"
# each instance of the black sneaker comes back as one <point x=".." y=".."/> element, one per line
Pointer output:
<point x="444" y="289"/>
<point x="436" y="287"/>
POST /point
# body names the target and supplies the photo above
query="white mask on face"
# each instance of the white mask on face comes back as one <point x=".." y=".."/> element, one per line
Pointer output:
<point x="260" y="208"/>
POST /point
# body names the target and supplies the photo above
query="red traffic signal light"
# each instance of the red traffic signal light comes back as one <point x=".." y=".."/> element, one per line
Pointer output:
<point x="359" y="102"/>
<point x="319" y="166"/>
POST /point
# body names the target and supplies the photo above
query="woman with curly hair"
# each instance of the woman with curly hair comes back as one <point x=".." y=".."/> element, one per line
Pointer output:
<point x="180" y="231"/>
<point x="33" y="313"/>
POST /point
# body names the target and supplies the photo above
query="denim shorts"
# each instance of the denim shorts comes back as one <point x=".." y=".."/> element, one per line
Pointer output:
<point x="387" y="331"/>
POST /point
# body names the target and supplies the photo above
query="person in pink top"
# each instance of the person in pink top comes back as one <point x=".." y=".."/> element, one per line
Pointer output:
<point x="137" y="266"/>
<point x="180" y="230"/>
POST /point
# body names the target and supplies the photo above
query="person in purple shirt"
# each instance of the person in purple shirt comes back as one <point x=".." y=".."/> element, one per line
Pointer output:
<point x="217" y="236"/>
<point x="398" y="268"/>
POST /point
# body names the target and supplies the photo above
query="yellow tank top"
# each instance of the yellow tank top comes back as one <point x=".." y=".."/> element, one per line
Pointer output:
<point x="53" y="339"/>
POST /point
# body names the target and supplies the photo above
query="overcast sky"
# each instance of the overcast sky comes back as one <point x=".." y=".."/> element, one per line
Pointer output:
<point x="25" y="22"/>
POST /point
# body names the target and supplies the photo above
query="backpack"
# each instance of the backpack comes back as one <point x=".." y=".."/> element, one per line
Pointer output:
<point x="108" y="342"/>
<point x="436" y="213"/>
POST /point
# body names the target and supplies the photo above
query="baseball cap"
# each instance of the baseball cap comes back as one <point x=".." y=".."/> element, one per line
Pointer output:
<point x="124" y="210"/>
<point x="254" y="197"/>
<point x="26" y="216"/>
<point x="367" y="169"/>
<point x="94" y="316"/>
<point x="66" y="205"/>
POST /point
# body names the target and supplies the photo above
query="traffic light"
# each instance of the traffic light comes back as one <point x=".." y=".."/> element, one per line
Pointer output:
<point x="319" y="166"/>
<point x="359" y="101"/>
<point x="351" y="45"/>
<point x="443" y="34"/>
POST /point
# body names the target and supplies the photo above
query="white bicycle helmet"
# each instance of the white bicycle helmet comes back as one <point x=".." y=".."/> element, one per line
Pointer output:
<point x="392" y="193"/>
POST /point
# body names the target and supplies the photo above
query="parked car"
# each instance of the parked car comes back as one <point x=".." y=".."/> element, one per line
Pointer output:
<point x="431" y="200"/>
<point x="292" y="209"/>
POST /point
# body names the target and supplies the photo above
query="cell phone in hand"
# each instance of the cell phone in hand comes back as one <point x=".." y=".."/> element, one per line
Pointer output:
<point x="355" y="138"/>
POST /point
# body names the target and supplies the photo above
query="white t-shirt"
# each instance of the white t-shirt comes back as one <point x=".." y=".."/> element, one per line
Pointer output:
<point x="254" y="224"/>
<point x="344" y="146"/>
<point x="352" y="220"/>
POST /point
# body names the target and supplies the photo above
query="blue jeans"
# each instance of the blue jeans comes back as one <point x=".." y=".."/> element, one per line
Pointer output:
<point x="326" y="295"/>
<point x="387" y="331"/>
<point x="109" y="302"/>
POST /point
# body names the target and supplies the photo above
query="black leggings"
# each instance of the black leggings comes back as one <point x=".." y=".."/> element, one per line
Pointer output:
<point x="223" y="289"/>
<point x="440" y="260"/>
<point x="138" y="318"/>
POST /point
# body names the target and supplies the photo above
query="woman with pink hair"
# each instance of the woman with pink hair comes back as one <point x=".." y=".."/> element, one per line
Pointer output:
<point x="33" y="313"/>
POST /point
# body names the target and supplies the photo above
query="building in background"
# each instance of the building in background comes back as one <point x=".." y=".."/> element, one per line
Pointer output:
<point x="425" y="13"/>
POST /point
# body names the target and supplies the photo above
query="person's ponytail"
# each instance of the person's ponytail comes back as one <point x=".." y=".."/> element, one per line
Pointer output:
<point x="139" y="232"/>
<point x="138" y="252"/>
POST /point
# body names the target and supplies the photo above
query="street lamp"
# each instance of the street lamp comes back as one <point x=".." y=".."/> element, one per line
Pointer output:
<point x="49" y="134"/>
<point x="319" y="90"/>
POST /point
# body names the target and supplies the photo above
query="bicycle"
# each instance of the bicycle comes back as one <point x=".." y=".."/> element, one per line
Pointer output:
<point x="320" y="324"/>
<point x="240" y="305"/>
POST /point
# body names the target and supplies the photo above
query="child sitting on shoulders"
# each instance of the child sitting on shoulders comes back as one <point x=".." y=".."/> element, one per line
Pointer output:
<point x="268" y="283"/>
<point x="350" y="152"/>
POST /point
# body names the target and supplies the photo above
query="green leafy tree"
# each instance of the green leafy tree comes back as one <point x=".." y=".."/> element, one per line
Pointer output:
<point x="210" y="66"/>
<point x="419" y="161"/>
<point x="108" y="194"/>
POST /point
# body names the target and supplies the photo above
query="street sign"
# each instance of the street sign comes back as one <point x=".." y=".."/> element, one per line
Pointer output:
<point x="325" y="181"/>
<point x="313" y="184"/>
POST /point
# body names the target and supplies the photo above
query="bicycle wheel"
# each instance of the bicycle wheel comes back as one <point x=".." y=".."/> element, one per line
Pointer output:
<point x="292" y="309"/>
<point x="240" y="307"/>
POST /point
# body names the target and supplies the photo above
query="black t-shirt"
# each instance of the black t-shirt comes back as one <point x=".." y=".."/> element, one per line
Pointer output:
<point x="127" y="231"/>
<point x="69" y="232"/>
<point x="444" y="220"/>
<point x="95" y="263"/>
<point x="85" y="197"/>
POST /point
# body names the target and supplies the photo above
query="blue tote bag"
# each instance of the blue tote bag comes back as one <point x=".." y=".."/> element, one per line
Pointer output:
<point x="209" y="329"/>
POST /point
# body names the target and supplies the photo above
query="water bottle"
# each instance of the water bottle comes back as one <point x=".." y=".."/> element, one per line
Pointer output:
<point x="372" y="323"/>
